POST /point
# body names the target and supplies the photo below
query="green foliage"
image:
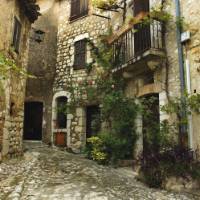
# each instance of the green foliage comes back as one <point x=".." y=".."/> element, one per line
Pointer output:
<point x="117" y="147"/>
<point x="108" y="148"/>
<point x="105" y="4"/>
<point x="174" y="162"/>
<point x="118" y="142"/>
<point x="158" y="135"/>
<point x="118" y="112"/>
<point x="165" y="157"/>
<point x="9" y="65"/>
<point x="188" y="104"/>
<point x="95" y="150"/>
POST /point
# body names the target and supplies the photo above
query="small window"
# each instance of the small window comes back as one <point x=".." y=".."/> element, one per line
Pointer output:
<point x="62" y="112"/>
<point x="16" y="35"/>
<point x="79" y="8"/>
<point x="80" y="54"/>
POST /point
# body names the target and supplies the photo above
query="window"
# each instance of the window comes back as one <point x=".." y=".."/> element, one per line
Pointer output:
<point x="16" y="35"/>
<point x="61" y="112"/>
<point x="140" y="6"/>
<point x="79" y="8"/>
<point x="80" y="54"/>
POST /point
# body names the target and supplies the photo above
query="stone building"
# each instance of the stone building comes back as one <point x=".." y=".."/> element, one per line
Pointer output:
<point x="77" y="22"/>
<point x="143" y="66"/>
<point x="150" y="66"/>
<point x="150" y="63"/>
<point x="41" y="64"/>
<point x="15" y="23"/>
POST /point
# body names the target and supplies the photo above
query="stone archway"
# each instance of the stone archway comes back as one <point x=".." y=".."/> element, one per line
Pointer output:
<point x="55" y="129"/>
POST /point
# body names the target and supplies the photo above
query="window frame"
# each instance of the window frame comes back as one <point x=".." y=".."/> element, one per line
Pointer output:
<point x="16" y="37"/>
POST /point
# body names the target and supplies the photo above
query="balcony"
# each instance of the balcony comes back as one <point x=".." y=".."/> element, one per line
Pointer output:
<point x="138" y="48"/>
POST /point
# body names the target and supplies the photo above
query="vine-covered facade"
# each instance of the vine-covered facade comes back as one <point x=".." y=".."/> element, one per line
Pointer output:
<point x="149" y="62"/>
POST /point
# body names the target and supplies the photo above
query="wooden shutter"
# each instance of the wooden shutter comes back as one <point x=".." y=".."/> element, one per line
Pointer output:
<point x="80" y="54"/>
<point x="75" y="9"/>
<point x="16" y="35"/>
<point x="83" y="7"/>
<point x="140" y="6"/>
<point x="79" y="8"/>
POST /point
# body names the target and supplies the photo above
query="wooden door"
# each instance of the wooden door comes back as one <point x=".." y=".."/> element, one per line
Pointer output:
<point x="33" y="121"/>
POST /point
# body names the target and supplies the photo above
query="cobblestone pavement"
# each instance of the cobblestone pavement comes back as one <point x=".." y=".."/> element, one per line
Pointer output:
<point x="50" y="174"/>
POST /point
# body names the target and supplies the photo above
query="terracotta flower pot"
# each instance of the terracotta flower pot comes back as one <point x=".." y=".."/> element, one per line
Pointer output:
<point x="60" y="139"/>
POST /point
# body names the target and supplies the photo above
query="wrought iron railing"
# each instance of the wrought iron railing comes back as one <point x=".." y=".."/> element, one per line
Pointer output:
<point x="136" y="41"/>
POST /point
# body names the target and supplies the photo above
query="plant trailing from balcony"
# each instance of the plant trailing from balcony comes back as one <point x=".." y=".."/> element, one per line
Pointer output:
<point x="105" y="4"/>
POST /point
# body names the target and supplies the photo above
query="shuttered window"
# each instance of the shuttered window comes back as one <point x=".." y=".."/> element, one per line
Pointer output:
<point x="140" y="6"/>
<point x="16" y="35"/>
<point x="79" y="8"/>
<point x="80" y="54"/>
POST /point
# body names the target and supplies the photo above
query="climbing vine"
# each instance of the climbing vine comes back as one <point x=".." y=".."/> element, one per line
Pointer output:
<point x="8" y="64"/>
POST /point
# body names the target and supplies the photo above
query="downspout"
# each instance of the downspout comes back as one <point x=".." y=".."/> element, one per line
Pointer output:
<point x="180" y="48"/>
<point x="183" y="128"/>
<point x="190" y="127"/>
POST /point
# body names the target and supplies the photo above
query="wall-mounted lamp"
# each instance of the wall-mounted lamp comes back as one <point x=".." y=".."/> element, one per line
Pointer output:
<point x="38" y="35"/>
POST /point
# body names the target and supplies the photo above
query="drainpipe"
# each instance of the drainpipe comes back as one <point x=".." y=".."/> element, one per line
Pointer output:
<point x="180" y="48"/>
<point x="190" y="127"/>
<point x="183" y="128"/>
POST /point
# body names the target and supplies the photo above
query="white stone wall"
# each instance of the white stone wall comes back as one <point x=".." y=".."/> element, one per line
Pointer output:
<point x="90" y="27"/>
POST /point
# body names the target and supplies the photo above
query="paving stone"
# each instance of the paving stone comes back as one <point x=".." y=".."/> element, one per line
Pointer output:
<point x="50" y="174"/>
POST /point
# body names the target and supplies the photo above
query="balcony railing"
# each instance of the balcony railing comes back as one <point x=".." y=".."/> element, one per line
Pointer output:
<point x="136" y="41"/>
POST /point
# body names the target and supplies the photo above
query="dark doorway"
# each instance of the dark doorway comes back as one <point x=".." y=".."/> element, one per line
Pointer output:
<point x="142" y="36"/>
<point x="93" y="121"/>
<point x="33" y="120"/>
<point x="150" y="122"/>
<point x="61" y="112"/>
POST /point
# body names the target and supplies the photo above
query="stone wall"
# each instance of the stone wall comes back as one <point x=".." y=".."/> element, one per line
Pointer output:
<point x="69" y="32"/>
<point x="12" y="97"/>
<point x="191" y="13"/>
<point x="42" y="62"/>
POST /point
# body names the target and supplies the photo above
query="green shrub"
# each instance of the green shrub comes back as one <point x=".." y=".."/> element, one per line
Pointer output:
<point x="108" y="148"/>
<point x="176" y="161"/>
<point x="95" y="150"/>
